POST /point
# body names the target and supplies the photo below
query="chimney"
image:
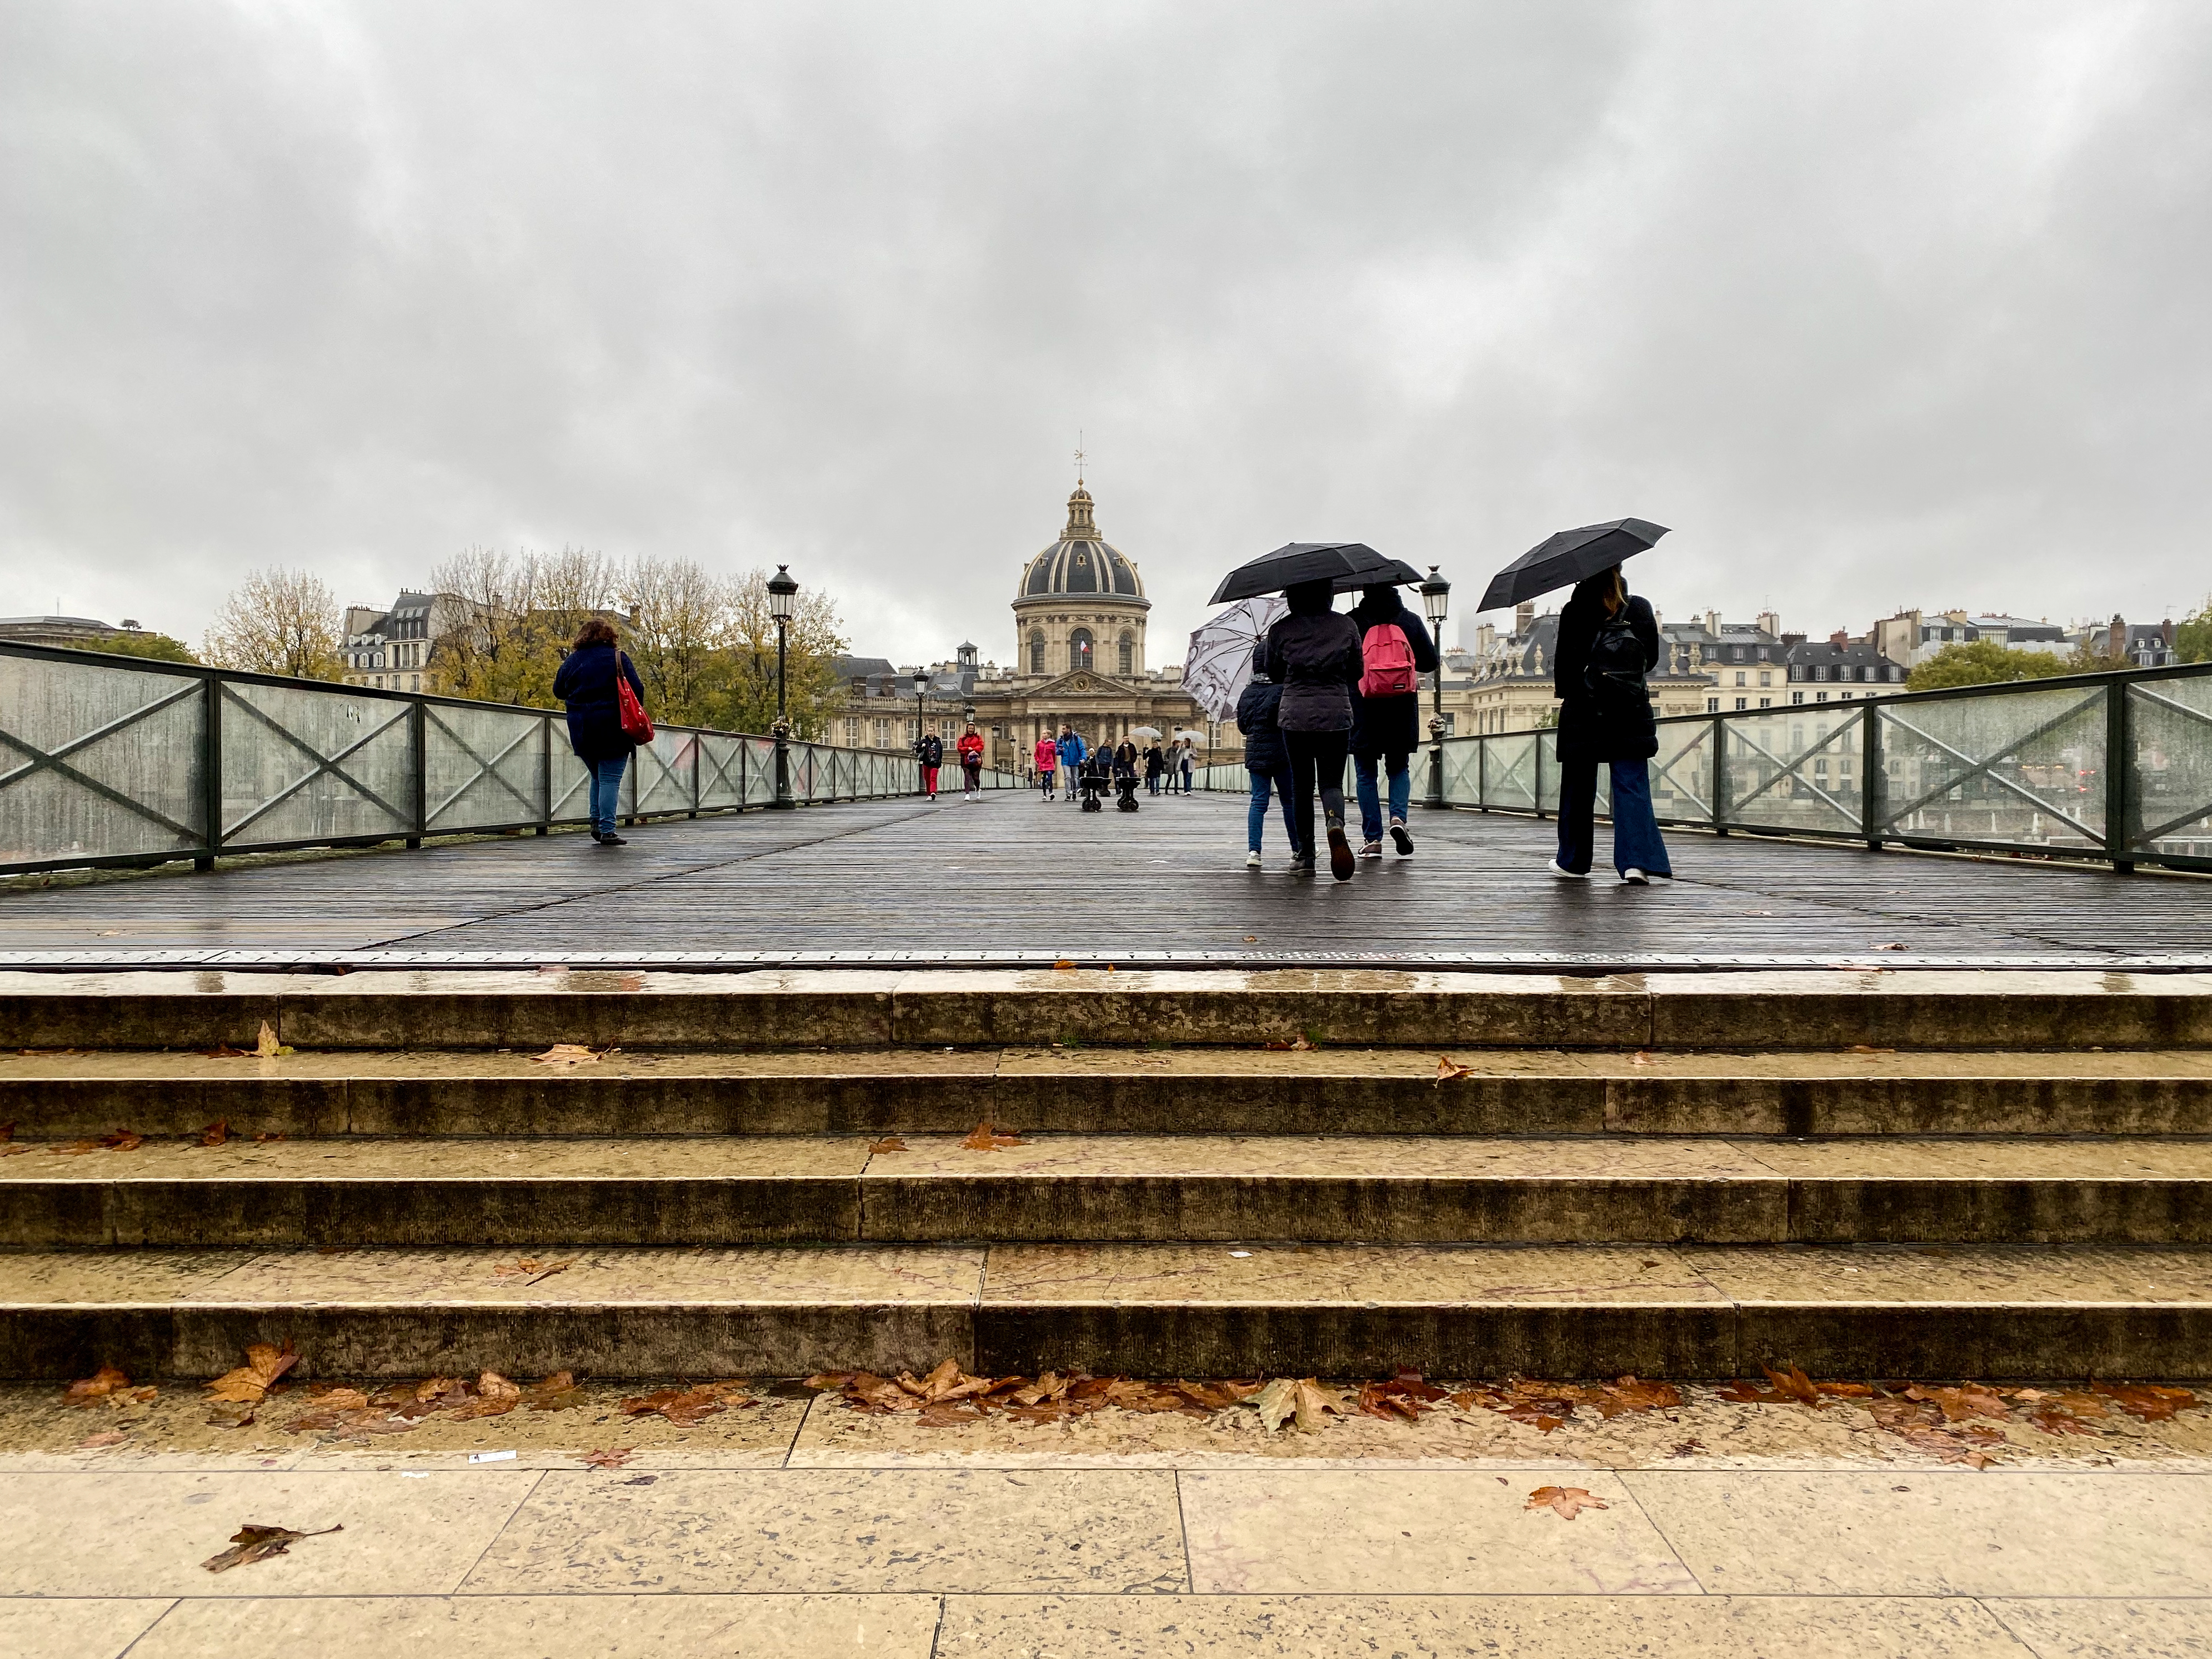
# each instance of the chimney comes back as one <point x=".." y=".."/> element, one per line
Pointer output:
<point x="1713" y="623"/>
<point x="1524" y="617"/>
<point x="1839" y="639"/>
<point x="1769" y="622"/>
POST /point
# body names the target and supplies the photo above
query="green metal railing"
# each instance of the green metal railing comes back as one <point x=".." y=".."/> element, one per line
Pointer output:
<point x="2112" y="768"/>
<point x="117" y="761"/>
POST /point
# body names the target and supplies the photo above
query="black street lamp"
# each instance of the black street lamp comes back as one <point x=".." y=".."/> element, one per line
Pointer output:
<point x="1435" y="601"/>
<point x="782" y="592"/>
<point x="920" y="709"/>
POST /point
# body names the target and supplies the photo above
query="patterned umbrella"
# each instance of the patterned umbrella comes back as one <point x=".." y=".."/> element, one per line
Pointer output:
<point x="1219" y="665"/>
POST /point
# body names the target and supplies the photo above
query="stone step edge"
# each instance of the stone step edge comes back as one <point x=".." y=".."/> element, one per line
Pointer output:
<point x="2018" y="1335"/>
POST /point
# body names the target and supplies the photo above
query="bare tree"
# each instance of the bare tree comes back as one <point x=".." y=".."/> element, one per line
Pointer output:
<point x="278" y="622"/>
<point x="678" y="635"/>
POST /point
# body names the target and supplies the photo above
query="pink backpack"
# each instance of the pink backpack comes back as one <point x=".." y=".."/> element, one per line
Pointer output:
<point x="1388" y="660"/>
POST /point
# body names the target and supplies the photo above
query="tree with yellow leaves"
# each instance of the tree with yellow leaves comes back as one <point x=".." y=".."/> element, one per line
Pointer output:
<point x="278" y="622"/>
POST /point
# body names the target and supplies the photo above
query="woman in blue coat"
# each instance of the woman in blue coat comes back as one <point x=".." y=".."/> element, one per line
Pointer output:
<point x="585" y="686"/>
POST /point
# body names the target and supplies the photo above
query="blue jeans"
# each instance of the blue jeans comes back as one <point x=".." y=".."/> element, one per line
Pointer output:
<point x="1636" y="843"/>
<point x="606" y="792"/>
<point x="1370" y="805"/>
<point x="1256" y="817"/>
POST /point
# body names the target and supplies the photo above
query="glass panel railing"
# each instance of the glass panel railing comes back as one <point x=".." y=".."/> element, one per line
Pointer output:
<point x="306" y="763"/>
<point x="2170" y="728"/>
<point x="483" y="767"/>
<point x="2022" y="768"/>
<point x="1795" y="768"/>
<point x="1681" y="774"/>
<point x="99" y="762"/>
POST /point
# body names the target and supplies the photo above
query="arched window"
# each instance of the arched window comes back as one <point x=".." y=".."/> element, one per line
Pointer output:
<point x="1037" y="651"/>
<point x="1129" y="655"/>
<point x="1079" y="648"/>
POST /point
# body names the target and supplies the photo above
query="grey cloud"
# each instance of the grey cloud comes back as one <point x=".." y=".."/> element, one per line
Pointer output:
<point x="1878" y="305"/>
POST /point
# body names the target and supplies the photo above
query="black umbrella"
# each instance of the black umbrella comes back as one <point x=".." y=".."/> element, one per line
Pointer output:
<point x="1347" y="564"/>
<point x="1392" y="573"/>
<point x="1563" y="559"/>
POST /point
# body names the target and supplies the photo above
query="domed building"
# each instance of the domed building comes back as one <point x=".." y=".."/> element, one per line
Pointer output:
<point x="1079" y="659"/>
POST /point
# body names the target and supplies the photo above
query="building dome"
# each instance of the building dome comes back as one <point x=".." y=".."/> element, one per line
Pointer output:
<point x="1080" y="563"/>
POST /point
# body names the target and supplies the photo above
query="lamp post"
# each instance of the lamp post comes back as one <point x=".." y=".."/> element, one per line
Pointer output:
<point x="1435" y="601"/>
<point x="920" y="701"/>
<point x="781" y="593"/>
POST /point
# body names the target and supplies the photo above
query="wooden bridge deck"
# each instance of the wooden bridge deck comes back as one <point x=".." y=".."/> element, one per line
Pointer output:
<point x="1012" y="873"/>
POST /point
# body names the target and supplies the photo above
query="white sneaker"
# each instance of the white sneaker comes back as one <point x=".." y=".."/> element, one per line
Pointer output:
<point x="1566" y="875"/>
<point x="1251" y="860"/>
<point x="1372" y="849"/>
<point x="1634" y="878"/>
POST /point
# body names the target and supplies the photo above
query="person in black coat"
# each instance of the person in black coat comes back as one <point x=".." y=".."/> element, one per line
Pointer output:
<point x="1608" y="641"/>
<point x="1387" y="727"/>
<point x="1265" y="758"/>
<point x="585" y="685"/>
<point x="1314" y="654"/>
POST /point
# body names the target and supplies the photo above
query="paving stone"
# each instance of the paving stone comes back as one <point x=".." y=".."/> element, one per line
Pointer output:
<point x="71" y="1627"/>
<point x="2100" y="1626"/>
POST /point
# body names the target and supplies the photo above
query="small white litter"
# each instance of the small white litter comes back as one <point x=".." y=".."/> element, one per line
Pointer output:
<point x="489" y="1457"/>
<point x="1240" y="1254"/>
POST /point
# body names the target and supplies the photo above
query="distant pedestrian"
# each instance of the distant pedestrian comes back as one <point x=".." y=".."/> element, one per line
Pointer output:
<point x="971" y="762"/>
<point x="1184" y="764"/>
<point x="1608" y="641"/>
<point x="587" y="684"/>
<point x="1125" y="776"/>
<point x="1072" y="749"/>
<point x="1266" y="760"/>
<point x="930" y="752"/>
<point x="1395" y="651"/>
<point x="1155" y="764"/>
<point x="1314" y="653"/>
<point x="1047" y="762"/>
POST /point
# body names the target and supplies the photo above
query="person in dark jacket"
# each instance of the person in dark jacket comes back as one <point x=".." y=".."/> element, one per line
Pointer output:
<point x="929" y="753"/>
<point x="1265" y="758"/>
<point x="1608" y="640"/>
<point x="1314" y="654"/>
<point x="584" y="683"/>
<point x="1155" y="764"/>
<point x="1388" y="728"/>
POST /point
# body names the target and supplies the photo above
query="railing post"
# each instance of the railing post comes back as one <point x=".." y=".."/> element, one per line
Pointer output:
<point x="695" y="746"/>
<point x="211" y="774"/>
<point x="546" y="777"/>
<point x="418" y="743"/>
<point x="2119" y="775"/>
<point x="1871" y="777"/>
<point x="1536" y="774"/>
<point x="1720" y="771"/>
<point x="1482" y="775"/>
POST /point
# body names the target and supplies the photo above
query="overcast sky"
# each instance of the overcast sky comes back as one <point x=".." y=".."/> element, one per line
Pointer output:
<point x="1877" y="305"/>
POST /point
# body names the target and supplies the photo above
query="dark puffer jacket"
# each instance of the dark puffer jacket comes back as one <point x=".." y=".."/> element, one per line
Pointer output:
<point x="1313" y="655"/>
<point x="1263" y="738"/>
<point x="1588" y="732"/>
<point x="584" y="683"/>
<point x="1392" y="725"/>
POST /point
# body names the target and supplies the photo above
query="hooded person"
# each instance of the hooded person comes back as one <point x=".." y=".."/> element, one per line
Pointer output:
<point x="1395" y="651"/>
<point x="1266" y="760"/>
<point x="1047" y="755"/>
<point x="1072" y="749"/>
<point x="1608" y="641"/>
<point x="1314" y="654"/>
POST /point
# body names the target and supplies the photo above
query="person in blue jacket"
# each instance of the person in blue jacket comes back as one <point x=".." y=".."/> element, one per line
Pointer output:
<point x="585" y="686"/>
<point x="1071" y="751"/>
<point x="1266" y="760"/>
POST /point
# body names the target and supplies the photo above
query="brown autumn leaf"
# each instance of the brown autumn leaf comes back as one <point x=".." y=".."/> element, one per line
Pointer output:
<point x="1403" y="1398"/>
<point x="264" y="1365"/>
<point x="888" y="1144"/>
<point x="557" y="1392"/>
<point x="1275" y="1402"/>
<point x="2144" y="1401"/>
<point x="115" y="1140"/>
<point x="606" y="1459"/>
<point x="1869" y="1048"/>
<point x="567" y="1056"/>
<point x="105" y="1438"/>
<point x="1643" y="1057"/>
<point x="224" y="1051"/>
<point x="1448" y="1068"/>
<point x="234" y="1415"/>
<point x="494" y="1396"/>
<point x="336" y="1408"/>
<point x="99" y="1386"/>
<point x="1565" y="1501"/>
<point x="215" y="1133"/>
<point x="1063" y="962"/>
<point x="268" y="1047"/>
<point x="1969" y="1400"/>
<point x="1632" y="1394"/>
<point x="685" y="1407"/>
<point x="983" y="1139"/>
<point x="530" y="1268"/>
<point x="253" y="1542"/>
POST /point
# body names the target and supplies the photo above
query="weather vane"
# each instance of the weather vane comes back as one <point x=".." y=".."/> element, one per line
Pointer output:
<point x="1078" y="457"/>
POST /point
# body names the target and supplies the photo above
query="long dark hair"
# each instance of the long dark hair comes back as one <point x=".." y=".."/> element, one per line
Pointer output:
<point x="596" y="630"/>
<point x="1607" y="590"/>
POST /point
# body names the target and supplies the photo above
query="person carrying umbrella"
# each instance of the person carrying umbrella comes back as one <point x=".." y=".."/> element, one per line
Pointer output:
<point x="1395" y="651"/>
<point x="1314" y="653"/>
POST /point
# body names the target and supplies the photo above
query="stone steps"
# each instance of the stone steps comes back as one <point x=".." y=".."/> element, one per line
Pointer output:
<point x="545" y="1195"/>
<point x="1130" y="1090"/>
<point x="1918" y="1009"/>
<point x="1157" y="1309"/>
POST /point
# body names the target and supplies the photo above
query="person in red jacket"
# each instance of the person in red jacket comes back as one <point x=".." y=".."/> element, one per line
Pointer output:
<point x="1047" y="762"/>
<point x="971" y="762"/>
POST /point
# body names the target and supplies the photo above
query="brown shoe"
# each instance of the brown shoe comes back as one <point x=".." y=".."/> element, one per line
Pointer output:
<point x="1340" y="864"/>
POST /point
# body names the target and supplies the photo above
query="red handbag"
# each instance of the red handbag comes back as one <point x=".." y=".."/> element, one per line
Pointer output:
<point x="636" y="726"/>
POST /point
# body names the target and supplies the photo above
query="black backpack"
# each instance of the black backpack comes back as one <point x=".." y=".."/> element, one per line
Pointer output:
<point x="1614" y="674"/>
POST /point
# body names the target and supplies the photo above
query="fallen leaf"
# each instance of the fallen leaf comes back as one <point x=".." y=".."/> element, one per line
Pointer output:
<point x="1869" y="1048"/>
<point x="557" y="1392"/>
<point x="1642" y="1057"/>
<point x="1314" y="1405"/>
<point x="530" y="1268"/>
<point x="98" y="1386"/>
<point x="215" y="1133"/>
<point x="121" y="1141"/>
<point x="108" y="1438"/>
<point x="246" y="1385"/>
<point x="1448" y="1068"/>
<point x="983" y="1139"/>
<point x="606" y="1459"/>
<point x="433" y="1388"/>
<point x="685" y="1407"/>
<point x="888" y="1144"/>
<point x="252" y="1543"/>
<point x="2144" y="1401"/>
<point x="567" y="1056"/>
<point x="1275" y="1402"/>
<point x="1063" y="963"/>
<point x="268" y="1047"/>
<point x="1565" y="1501"/>
<point x="224" y="1051"/>
<point x="1970" y="1400"/>
<point x="337" y="1408"/>
<point x="1404" y="1397"/>
<point x="234" y="1415"/>
<point x="495" y="1397"/>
